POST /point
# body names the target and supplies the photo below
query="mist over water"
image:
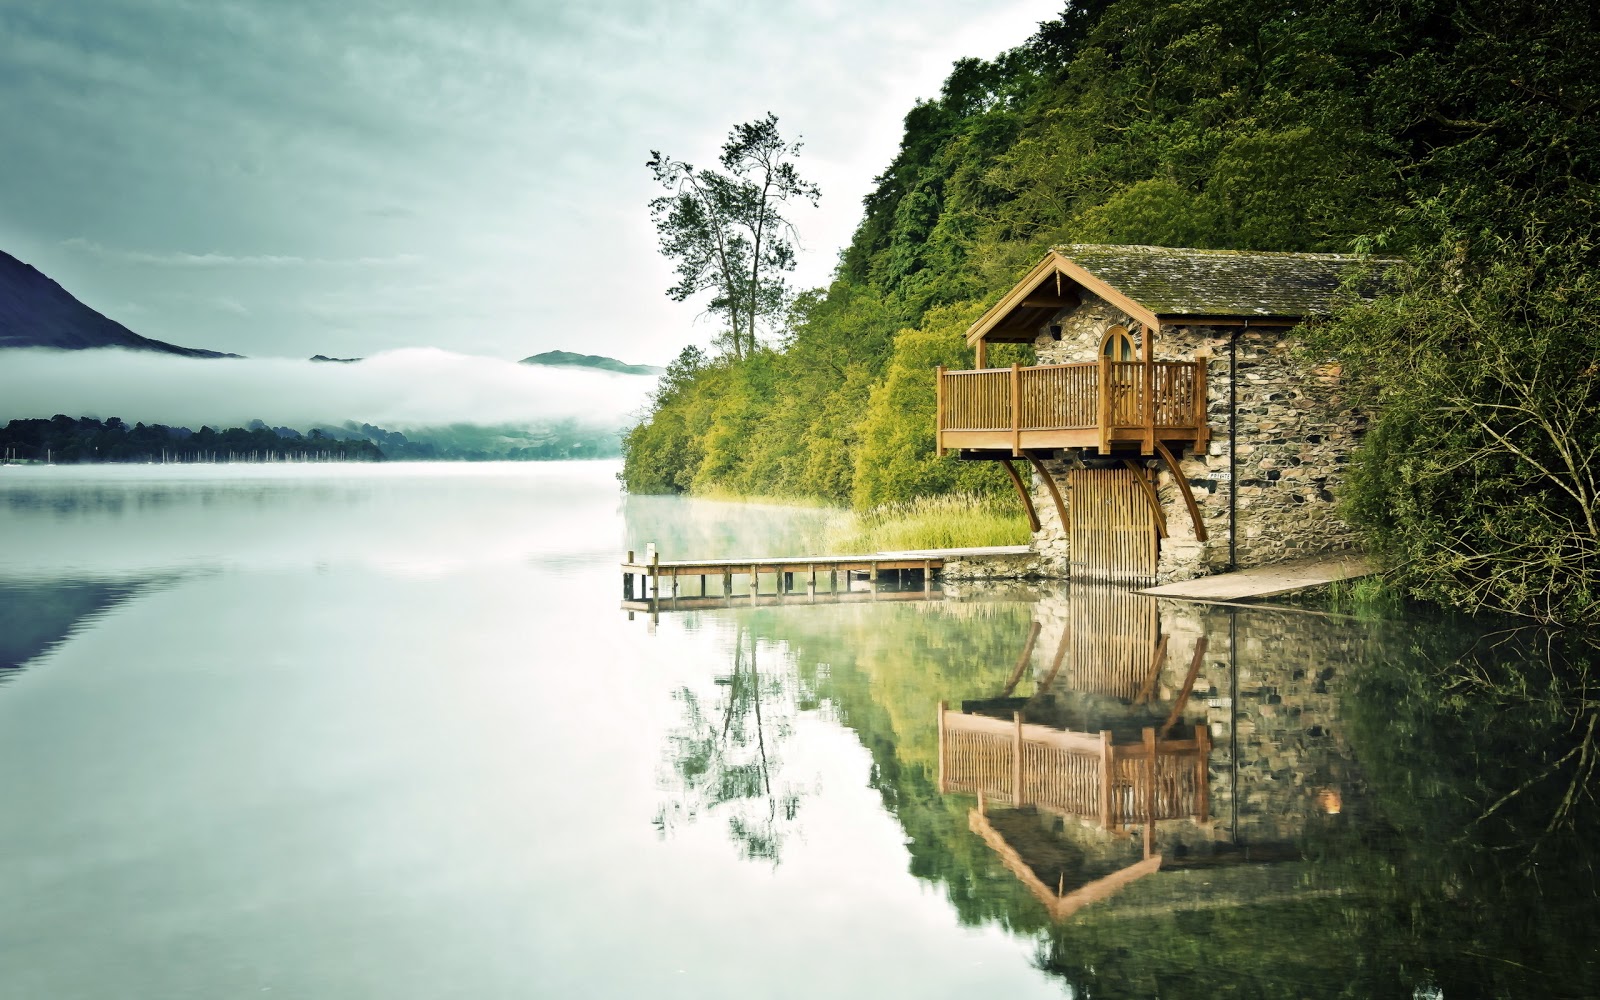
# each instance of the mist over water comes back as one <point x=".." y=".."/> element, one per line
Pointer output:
<point x="408" y="389"/>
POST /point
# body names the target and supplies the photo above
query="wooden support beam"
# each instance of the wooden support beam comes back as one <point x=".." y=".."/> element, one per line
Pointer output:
<point x="1062" y="645"/>
<point x="1044" y="300"/>
<point x="943" y="706"/>
<point x="1188" y="686"/>
<point x="981" y="354"/>
<point x="1149" y="496"/>
<point x="938" y="413"/>
<point x="1183" y="487"/>
<point x="1022" y="661"/>
<point x="1022" y="491"/>
<point x="1055" y="492"/>
<point x="1157" y="661"/>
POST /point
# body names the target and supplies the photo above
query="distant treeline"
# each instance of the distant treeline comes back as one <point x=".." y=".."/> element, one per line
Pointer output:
<point x="64" y="439"/>
<point x="556" y="441"/>
<point x="85" y="439"/>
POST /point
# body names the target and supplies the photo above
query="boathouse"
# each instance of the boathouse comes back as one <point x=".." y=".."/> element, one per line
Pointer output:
<point x="1171" y="425"/>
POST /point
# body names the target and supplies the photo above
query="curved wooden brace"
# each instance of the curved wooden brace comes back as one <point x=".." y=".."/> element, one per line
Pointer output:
<point x="1188" y="685"/>
<point x="1050" y="484"/>
<point x="1022" y="491"/>
<point x="1149" y="496"/>
<point x="1157" y="662"/>
<point x="1183" y="487"/>
<point x="1055" y="664"/>
<point x="1022" y="661"/>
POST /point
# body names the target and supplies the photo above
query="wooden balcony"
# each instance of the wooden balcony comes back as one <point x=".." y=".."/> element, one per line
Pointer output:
<point x="1095" y="404"/>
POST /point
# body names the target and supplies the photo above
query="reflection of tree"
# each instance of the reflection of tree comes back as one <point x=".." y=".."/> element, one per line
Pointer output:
<point x="723" y="759"/>
<point x="1459" y="862"/>
<point x="1469" y="874"/>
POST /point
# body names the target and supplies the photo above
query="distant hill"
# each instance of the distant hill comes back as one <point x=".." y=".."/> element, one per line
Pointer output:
<point x="342" y="361"/>
<point x="567" y="359"/>
<point x="37" y="312"/>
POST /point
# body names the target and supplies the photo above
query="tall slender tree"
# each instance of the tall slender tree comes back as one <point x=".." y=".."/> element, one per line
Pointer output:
<point x="726" y="229"/>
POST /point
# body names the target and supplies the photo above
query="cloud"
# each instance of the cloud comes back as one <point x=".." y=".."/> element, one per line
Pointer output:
<point x="400" y="390"/>
<point x="184" y="259"/>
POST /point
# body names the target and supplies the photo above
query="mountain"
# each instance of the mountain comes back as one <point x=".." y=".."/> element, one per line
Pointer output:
<point x="342" y="361"/>
<point x="37" y="312"/>
<point x="567" y="359"/>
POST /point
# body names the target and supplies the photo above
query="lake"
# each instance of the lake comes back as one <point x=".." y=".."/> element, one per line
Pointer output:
<point x="351" y="731"/>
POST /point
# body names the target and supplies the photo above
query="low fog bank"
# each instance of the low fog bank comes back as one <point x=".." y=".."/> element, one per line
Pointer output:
<point x="407" y="390"/>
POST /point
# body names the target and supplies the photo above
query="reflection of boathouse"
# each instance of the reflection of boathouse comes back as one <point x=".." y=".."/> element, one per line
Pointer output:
<point x="1087" y="742"/>
<point x="1106" y="725"/>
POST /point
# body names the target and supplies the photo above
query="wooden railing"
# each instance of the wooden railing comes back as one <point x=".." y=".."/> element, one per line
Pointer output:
<point x="1116" y="399"/>
<point x="1077" y="774"/>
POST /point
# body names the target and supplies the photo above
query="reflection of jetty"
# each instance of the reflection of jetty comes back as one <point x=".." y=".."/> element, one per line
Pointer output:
<point x="863" y="594"/>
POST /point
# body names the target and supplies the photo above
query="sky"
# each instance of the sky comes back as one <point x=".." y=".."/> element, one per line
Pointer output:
<point x="283" y="178"/>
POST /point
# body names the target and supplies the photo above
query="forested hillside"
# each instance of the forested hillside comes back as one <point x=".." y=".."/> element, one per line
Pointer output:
<point x="1461" y="135"/>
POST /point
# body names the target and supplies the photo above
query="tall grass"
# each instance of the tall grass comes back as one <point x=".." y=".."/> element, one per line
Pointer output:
<point x="1368" y="597"/>
<point x="951" y="521"/>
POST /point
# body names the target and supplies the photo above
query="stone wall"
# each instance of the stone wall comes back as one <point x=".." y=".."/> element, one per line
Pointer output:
<point x="1021" y="566"/>
<point x="1295" y="436"/>
<point x="1280" y="715"/>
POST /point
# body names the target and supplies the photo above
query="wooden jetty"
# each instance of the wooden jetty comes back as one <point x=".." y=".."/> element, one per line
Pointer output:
<point x="653" y="583"/>
<point x="712" y="581"/>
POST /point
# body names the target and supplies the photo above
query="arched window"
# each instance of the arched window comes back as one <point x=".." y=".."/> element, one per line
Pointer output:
<point x="1118" y="344"/>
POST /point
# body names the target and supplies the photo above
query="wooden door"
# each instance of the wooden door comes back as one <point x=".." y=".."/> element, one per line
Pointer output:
<point x="1113" y="533"/>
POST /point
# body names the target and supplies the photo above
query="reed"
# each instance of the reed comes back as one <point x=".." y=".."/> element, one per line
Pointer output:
<point x="950" y="521"/>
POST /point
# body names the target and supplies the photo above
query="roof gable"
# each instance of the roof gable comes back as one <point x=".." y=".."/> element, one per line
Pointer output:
<point x="1156" y="285"/>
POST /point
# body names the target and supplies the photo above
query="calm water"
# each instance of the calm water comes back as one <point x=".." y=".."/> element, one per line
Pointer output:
<point x="384" y="731"/>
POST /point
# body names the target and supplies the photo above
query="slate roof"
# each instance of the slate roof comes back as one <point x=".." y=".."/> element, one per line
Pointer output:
<point x="1181" y="282"/>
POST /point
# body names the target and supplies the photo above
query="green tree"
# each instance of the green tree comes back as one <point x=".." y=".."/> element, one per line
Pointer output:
<point x="1479" y="479"/>
<point x="726" y="230"/>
